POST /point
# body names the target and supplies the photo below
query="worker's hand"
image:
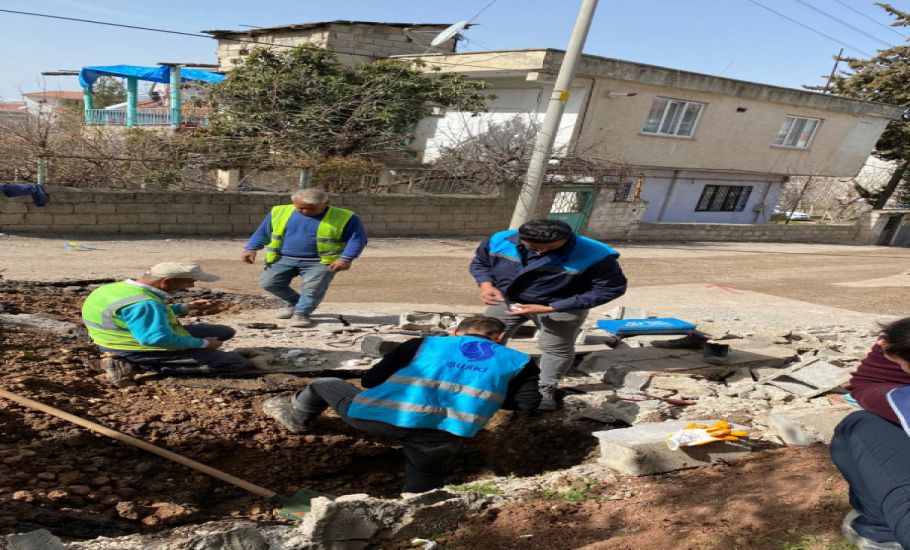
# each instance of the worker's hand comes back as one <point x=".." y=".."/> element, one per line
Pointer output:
<point x="248" y="256"/>
<point x="212" y="343"/>
<point x="490" y="295"/>
<point x="700" y="434"/>
<point x="529" y="309"/>
<point x="205" y="307"/>
<point x="339" y="265"/>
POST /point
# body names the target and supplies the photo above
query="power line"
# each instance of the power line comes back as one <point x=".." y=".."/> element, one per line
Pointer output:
<point x="816" y="31"/>
<point x="844" y="23"/>
<point x="879" y="23"/>
<point x="476" y="15"/>
<point x="134" y="27"/>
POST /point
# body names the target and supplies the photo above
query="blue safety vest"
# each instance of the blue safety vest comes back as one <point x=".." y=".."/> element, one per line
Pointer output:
<point x="899" y="399"/>
<point x="585" y="253"/>
<point x="454" y="384"/>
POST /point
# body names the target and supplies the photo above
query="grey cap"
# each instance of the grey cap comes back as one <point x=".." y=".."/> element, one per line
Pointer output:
<point x="178" y="270"/>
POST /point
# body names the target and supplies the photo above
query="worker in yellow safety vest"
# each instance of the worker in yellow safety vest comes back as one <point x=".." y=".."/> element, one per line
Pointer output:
<point x="137" y="330"/>
<point x="310" y="239"/>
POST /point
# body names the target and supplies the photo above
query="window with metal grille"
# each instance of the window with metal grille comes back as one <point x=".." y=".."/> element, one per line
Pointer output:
<point x="670" y="117"/>
<point x="724" y="198"/>
<point x="624" y="192"/>
<point x="796" y="132"/>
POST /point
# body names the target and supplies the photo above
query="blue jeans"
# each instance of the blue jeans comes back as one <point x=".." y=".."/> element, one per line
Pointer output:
<point x="314" y="282"/>
<point x="872" y="454"/>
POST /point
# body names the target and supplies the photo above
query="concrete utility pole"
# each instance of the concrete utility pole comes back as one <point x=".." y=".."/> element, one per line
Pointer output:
<point x="543" y="146"/>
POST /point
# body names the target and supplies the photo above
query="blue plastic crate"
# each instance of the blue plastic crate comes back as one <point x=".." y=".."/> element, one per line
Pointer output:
<point x="631" y="327"/>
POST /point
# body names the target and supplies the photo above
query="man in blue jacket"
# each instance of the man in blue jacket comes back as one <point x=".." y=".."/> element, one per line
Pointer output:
<point x="546" y="273"/>
<point x="428" y="395"/>
<point x="310" y="239"/>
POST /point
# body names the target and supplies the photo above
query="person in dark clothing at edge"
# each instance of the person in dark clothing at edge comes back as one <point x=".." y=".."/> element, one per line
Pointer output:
<point x="546" y="273"/>
<point x="871" y="447"/>
<point x="428" y="395"/>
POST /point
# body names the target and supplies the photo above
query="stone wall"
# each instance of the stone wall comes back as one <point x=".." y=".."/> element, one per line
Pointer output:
<point x="821" y="234"/>
<point x="75" y="211"/>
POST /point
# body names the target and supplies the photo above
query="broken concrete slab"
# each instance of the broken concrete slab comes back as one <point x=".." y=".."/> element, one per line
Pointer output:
<point x="376" y="345"/>
<point x="642" y="449"/>
<point x="747" y="353"/>
<point x="636" y="412"/>
<point x="684" y="386"/>
<point x="806" y="425"/>
<point x="651" y="359"/>
<point x="812" y="379"/>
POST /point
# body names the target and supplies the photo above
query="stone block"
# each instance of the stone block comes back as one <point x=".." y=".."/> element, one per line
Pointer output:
<point x="649" y="359"/>
<point x="806" y="425"/>
<point x="745" y="353"/>
<point x="813" y="379"/>
<point x="40" y="539"/>
<point x="139" y="229"/>
<point x="376" y="345"/>
<point x="211" y="208"/>
<point x="13" y="207"/>
<point x="642" y="449"/>
<point x="684" y="386"/>
<point x="11" y="219"/>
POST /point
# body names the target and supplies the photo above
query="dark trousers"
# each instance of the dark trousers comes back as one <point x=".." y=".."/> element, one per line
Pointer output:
<point x="427" y="452"/>
<point x="874" y="457"/>
<point x="191" y="361"/>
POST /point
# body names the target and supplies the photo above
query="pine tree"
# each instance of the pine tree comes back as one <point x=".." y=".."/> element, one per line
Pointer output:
<point x="884" y="78"/>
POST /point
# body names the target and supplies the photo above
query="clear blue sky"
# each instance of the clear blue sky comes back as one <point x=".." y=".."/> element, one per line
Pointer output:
<point x="732" y="38"/>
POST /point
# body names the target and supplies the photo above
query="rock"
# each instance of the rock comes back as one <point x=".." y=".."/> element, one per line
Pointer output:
<point x="376" y="345"/>
<point x="34" y="540"/>
<point x="69" y="476"/>
<point x="79" y="489"/>
<point x="47" y="476"/>
<point x="23" y="496"/>
<point x="170" y="513"/>
<point x="684" y="386"/>
<point x="636" y="412"/>
<point x="174" y="417"/>
<point x="127" y="510"/>
<point x="239" y="537"/>
<point x="628" y="377"/>
<point x="642" y="449"/>
<point x="807" y="424"/>
<point x="57" y="494"/>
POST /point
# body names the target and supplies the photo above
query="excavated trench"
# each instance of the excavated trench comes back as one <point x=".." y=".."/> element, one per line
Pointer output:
<point x="78" y="484"/>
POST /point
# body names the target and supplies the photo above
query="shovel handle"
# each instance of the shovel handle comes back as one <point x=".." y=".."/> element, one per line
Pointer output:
<point x="145" y="446"/>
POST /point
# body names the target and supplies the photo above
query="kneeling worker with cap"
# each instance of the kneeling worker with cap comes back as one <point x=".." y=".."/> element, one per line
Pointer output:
<point x="429" y="395"/>
<point x="138" y="330"/>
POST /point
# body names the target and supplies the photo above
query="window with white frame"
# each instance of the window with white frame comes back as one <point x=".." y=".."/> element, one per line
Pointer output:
<point x="672" y="117"/>
<point x="724" y="198"/>
<point x="796" y="132"/>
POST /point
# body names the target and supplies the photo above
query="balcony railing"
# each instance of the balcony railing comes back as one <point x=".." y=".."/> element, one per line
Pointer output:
<point x="144" y="117"/>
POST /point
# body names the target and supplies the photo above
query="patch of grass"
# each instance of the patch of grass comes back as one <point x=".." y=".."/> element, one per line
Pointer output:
<point x="580" y="491"/>
<point x="482" y="487"/>
<point x="805" y="541"/>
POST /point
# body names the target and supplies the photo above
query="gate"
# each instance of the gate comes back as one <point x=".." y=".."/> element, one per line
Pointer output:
<point x="572" y="206"/>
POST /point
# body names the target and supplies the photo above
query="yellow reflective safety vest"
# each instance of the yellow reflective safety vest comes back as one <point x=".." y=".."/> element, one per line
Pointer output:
<point x="107" y="329"/>
<point x="328" y="236"/>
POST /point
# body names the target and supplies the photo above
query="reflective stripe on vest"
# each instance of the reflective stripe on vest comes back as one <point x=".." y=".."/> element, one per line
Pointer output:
<point x="329" y="243"/>
<point x="107" y="329"/>
<point x="454" y="384"/>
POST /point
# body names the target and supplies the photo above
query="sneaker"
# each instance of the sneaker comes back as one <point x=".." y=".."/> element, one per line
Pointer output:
<point x="717" y="354"/>
<point x="281" y="410"/>
<point x="689" y="341"/>
<point x="861" y="542"/>
<point x="118" y="372"/>
<point x="550" y="401"/>
<point x="302" y="321"/>
<point x="285" y="313"/>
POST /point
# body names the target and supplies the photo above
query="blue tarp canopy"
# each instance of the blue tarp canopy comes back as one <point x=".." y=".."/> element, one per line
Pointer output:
<point x="88" y="75"/>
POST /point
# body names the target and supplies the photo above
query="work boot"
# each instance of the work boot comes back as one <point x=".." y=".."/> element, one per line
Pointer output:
<point x="861" y="542"/>
<point x="689" y="341"/>
<point x="302" y="321"/>
<point x="550" y="399"/>
<point x="280" y="409"/>
<point x="717" y="354"/>
<point x="118" y="372"/>
<point x="285" y="313"/>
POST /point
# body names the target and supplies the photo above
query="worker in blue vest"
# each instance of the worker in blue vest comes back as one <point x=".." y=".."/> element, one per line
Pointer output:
<point x="429" y="395"/>
<point x="309" y="239"/>
<point x="545" y="273"/>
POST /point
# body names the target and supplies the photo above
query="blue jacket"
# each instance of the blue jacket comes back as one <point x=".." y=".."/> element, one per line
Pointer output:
<point x="454" y="384"/>
<point x="582" y="274"/>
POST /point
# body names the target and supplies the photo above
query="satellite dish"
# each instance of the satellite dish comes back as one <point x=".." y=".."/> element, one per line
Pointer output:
<point x="451" y="31"/>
